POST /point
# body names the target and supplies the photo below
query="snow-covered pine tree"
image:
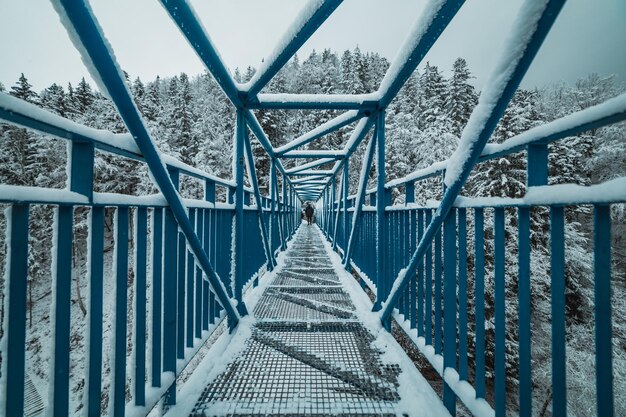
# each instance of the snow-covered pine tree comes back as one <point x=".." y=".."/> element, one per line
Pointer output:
<point x="83" y="97"/>
<point x="461" y="97"/>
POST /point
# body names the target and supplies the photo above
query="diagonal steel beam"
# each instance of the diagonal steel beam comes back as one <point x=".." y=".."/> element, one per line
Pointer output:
<point x="336" y="123"/>
<point x="359" y="133"/>
<point x="360" y="198"/>
<point x="308" y="165"/>
<point x="298" y="33"/>
<point x="257" y="198"/>
<point x="527" y="34"/>
<point x="85" y="32"/>
<point x="424" y="34"/>
<point x="189" y="24"/>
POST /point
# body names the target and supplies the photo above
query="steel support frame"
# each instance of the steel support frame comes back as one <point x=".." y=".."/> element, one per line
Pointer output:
<point x="503" y="95"/>
<point x="82" y="23"/>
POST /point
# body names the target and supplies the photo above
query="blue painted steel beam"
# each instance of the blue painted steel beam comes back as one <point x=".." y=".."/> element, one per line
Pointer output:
<point x="297" y="36"/>
<point x="80" y="21"/>
<point x="359" y="133"/>
<point x="312" y="172"/>
<point x="259" y="204"/>
<point x="602" y="310"/>
<point x="557" y="303"/>
<point x="431" y="25"/>
<point x="239" y="161"/>
<point x="331" y="154"/>
<point x="118" y="386"/>
<point x="364" y="102"/>
<point x="93" y="382"/>
<point x="381" y="241"/>
<point x="82" y="168"/>
<point x="307" y="179"/>
<point x="533" y="43"/>
<point x="450" y="307"/>
<point x="15" y="356"/>
<point x="312" y="164"/>
<point x="332" y="125"/>
<point x="365" y="169"/>
<point x="141" y="258"/>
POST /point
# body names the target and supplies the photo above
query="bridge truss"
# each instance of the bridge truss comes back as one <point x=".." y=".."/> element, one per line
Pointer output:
<point x="199" y="233"/>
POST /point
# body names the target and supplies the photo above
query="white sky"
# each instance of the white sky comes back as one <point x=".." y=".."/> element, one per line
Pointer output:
<point x="589" y="36"/>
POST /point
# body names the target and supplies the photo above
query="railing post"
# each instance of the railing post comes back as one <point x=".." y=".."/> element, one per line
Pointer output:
<point x="360" y="198"/>
<point x="602" y="316"/>
<point x="81" y="174"/>
<point x="333" y="194"/>
<point x="15" y="357"/>
<point x="381" y="241"/>
<point x="259" y="202"/>
<point x="283" y="243"/>
<point x="170" y="272"/>
<point x="239" y="161"/>
<point x="81" y="168"/>
<point x="346" y="189"/>
<point x="210" y="248"/>
<point x="273" y="194"/>
<point x="409" y="198"/>
<point x="449" y="293"/>
<point x="118" y="386"/>
<point x="537" y="167"/>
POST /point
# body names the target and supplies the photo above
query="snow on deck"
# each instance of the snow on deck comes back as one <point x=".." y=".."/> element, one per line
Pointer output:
<point x="311" y="347"/>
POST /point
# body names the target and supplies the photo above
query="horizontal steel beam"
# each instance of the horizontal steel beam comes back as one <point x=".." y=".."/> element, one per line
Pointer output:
<point x="307" y="179"/>
<point x="332" y="125"/>
<point x="364" y="102"/>
<point x="322" y="153"/>
<point x="309" y="172"/>
<point x="309" y="165"/>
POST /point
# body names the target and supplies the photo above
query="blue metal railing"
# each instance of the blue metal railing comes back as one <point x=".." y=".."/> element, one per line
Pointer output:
<point x="185" y="307"/>
<point x="431" y="300"/>
<point x="416" y="258"/>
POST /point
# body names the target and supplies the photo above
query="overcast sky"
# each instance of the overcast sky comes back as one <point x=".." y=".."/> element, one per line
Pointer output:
<point x="589" y="36"/>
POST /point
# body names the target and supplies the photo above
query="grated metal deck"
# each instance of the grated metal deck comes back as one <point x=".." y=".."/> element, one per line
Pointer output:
<point x="308" y="353"/>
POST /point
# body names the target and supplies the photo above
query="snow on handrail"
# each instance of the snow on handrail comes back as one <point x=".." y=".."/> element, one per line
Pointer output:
<point x="25" y="114"/>
<point x="608" y="112"/>
<point x="315" y="101"/>
<point x="608" y="192"/>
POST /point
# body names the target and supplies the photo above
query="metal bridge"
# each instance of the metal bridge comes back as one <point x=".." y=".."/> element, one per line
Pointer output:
<point x="412" y="259"/>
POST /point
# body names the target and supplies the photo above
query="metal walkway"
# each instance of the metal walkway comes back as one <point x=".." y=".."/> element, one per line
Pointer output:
<point x="308" y="353"/>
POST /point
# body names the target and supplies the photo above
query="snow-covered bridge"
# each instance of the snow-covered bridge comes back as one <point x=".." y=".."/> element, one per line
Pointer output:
<point x="229" y="305"/>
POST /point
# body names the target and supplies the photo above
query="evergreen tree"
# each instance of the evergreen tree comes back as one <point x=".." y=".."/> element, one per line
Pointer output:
<point x="152" y="104"/>
<point x="461" y="97"/>
<point x="432" y="98"/>
<point x="23" y="89"/>
<point x="83" y="96"/>
<point x="139" y="94"/>
<point x="54" y="99"/>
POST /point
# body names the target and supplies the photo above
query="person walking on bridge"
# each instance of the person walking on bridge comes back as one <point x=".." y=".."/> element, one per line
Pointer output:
<point x="309" y="213"/>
